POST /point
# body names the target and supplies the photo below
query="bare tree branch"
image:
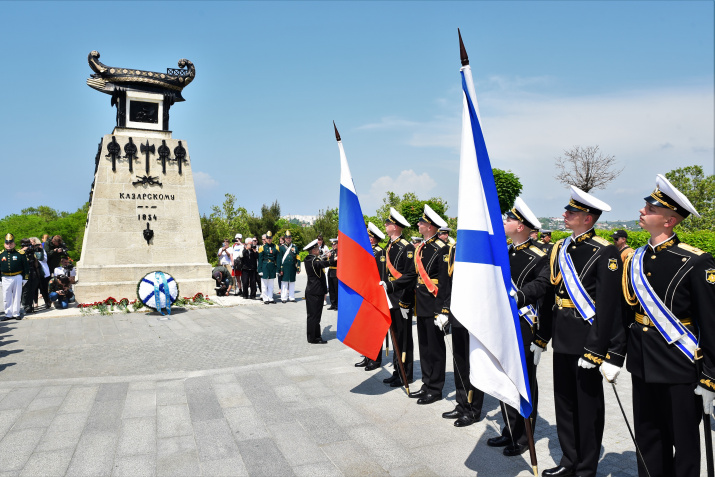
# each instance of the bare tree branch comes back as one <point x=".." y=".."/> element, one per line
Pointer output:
<point x="586" y="168"/>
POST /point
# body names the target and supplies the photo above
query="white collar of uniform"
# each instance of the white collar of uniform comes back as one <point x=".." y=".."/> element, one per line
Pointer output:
<point x="653" y="247"/>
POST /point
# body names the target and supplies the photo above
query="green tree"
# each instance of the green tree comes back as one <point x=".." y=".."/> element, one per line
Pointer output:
<point x="508" y="188"/>
<point x="269" y="220"/>
<point x="326" y="225"/>
<point x="700" y="189"/>
<point x="223" y="223"/>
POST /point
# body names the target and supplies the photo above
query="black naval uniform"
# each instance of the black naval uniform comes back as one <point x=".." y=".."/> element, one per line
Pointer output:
<point x="578" y="392"/>
<point x="333" y="278"/>
<point x="527" y="261"/>
<point x="315" y="290"/>
<point x="460" y="344"/>
<point x="666" y="411"/>
<point x="379" y="254"/>
<point x="400" y="256"/>
<point x="429" y="255"/>
<point x="544" y="247"/>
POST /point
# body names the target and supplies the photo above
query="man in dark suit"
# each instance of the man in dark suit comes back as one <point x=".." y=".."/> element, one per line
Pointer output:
<point x="315" y="290"/>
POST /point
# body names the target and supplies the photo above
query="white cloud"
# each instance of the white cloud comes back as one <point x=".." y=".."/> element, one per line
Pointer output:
<point x="648" y="131"/>
<point x="406" y="181"/>
<point x="202" y="180"/>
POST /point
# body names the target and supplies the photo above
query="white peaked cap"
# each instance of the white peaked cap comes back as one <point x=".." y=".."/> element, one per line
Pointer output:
<point x="397" y="218"/>
<point x="522" y="212"/>
<point x="668" y="196"/>
<point x="416" y="239"/>
<point x="373" y="230"/>
<point x="333" y="240"/>
<point x="584" y="202"/>
<point x="312" y="244"/>
<point x="432" y="217"/>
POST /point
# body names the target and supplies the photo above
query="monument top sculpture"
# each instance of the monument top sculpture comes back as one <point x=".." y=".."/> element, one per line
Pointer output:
<point x="110" y="79"/>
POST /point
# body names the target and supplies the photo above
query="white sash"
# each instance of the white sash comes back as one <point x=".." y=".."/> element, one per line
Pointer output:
<point x="288" y="250"/>
<point x="665" y="322"/>
<point x="584" y="304"/>
<point x="529" y="312"/>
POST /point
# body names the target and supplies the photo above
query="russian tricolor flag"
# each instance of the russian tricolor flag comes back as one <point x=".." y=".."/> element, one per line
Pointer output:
<point x="363" y="311"/>
<point x="482" y="276"/>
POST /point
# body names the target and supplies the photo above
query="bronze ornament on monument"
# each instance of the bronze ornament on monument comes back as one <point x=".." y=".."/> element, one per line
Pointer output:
<point x="146" y="219"/>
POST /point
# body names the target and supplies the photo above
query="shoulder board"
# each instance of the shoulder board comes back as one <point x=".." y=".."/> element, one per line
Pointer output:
<point x="690" y="248"/>
<point x="21" y="252"/>
<point x="377" y="247"/>
<point x="404" y="242"/>
<point x="439" y="243"/>
<point x="536" y="250"/>
<point x="260" y="249"/>
<point x="601" y="240"/>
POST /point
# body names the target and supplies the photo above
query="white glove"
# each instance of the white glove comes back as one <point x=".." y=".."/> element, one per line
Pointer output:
<point x="610" y="371"/>
<point x="405" y="313"/>
<point x="383" y="285"/>
<point x="23" y="282"/>
<point x="512" y="292"/>
<point x="585" y="364"/>
<point x="537" y="350"/>
<point x="260" y="274"/>
<point x="708" y="397"/>
<point x="441" y="321"/>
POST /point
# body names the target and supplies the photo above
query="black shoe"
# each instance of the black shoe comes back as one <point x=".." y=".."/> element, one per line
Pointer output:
<point x="500" y="441"/>
<point x="418" y="394"/>
<point x="465" y="420"/>
<point x="362" y="363"/>
<point x="333" y="308"/>
<point x="284" y="301"/>
<point x="391" y="379"/>
<point x="453" y="414"/>
<point x="513" y="450"/>
<point x="398" y="383"/>
<point x="429" y="398"/>
<point x="373" y="365"/>
<point x="319" y="341"/>
<point x="559" y="471"/>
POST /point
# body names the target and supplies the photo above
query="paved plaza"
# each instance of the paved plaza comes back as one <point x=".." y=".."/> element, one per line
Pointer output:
<point x="237" y="391"/>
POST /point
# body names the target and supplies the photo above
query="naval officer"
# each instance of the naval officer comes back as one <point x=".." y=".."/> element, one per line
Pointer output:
<point x="375" y="236"/>
<point x="15" y="273"/>
<point x="670" y="289"/>
<point x="585" y="278"/>
<point x="315" y="290"/>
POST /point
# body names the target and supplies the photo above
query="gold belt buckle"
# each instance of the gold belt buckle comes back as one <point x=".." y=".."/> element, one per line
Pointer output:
<point x="646" y="320"/>
<point x="559" y="301"/>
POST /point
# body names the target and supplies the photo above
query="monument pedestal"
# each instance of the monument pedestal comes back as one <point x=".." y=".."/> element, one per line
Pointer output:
<point x="143" y="217"/>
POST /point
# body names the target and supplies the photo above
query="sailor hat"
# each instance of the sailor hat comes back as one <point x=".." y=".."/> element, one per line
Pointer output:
<point x="546" y="232"/>
<point x="667" y="196"/>
<point x="373" y="231"/>
<point x="584" y="202"/>
<point x="445" y="230"/>
<point x="416" y="239"/>
<point x="432" y="217"/>
<point x="311" y="245"/>
<point x="397" y="219"/>
<point x="523" y="214"/>
<point x="333" y="240"/>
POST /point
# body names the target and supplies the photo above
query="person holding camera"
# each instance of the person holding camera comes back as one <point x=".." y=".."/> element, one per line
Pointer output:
<point x="15" y="271"/>
<point x="223" y="280"/>
<point x="29" y="289"/>
<point x="61" y="291"/>
<point x="41" y="255"/>
<point x="249" y="264"/>
<point x="67" y="269"/>
<point x="55" y="249"/>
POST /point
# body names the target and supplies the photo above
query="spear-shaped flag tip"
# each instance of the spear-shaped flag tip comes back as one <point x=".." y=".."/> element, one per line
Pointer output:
<point x="337" y="134"/>
<point x="462" y="50"/>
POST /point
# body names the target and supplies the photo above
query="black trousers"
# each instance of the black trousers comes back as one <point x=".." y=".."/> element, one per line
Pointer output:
<point x="433" y="354"/>
<point x="403" y="336"/>
<point x="667" y="416"/>
<point x="29" y="291"/>
<point x="460" y="349"/>
<point x="578" y="398"/>
<point x="333" y="290"/>
<point x="248" y="279"/>
<point x="314" y="309"/>
<point x="44" y="290"/>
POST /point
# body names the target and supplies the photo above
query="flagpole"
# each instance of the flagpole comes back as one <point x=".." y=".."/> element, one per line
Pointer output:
<point x="532" y="447"/>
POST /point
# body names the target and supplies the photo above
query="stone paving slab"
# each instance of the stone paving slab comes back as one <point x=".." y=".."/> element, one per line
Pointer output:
<point x="237" y="391"/>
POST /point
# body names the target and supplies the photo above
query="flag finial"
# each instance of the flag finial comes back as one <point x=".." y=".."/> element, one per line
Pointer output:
<point x="337" y="134"/>
<point x="462" y="51"/>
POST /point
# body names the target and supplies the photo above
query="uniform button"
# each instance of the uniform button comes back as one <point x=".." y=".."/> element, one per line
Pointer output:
<point x="648" y="274"/>
<point x="594" y="249"/>
<point x="685" y="259"/>
<point x="645" y="328"/>
<point x="652" y="256"/>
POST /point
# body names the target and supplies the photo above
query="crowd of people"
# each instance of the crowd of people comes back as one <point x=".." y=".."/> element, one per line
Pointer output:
<point x="595" y="301"/>
<point x="35" y="268"/>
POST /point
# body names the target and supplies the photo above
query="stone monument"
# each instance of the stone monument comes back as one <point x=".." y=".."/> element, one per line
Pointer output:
<point x="143" y="214"/>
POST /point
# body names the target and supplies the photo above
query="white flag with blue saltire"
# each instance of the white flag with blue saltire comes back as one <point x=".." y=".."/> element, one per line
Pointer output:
<point x="482" y="277"/>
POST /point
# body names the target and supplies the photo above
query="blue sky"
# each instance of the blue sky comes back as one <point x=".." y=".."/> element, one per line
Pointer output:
<point x="635" y="78"/>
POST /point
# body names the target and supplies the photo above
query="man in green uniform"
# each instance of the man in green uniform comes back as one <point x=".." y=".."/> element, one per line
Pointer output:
<point x="289" y="266"/>
<point x="15" y="272"/>
<point x="268" y="267"/>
